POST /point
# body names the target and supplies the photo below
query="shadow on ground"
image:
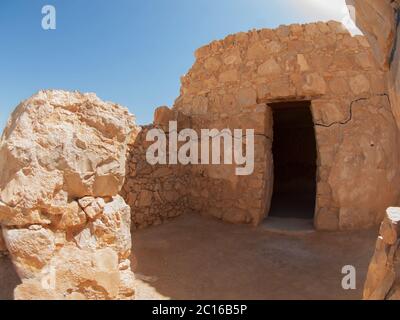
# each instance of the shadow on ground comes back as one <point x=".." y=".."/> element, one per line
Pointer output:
<point x="8" y="279"/>
<point x="193" y="257"/>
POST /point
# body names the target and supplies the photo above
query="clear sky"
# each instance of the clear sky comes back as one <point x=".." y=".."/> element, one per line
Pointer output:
<point x="127" y="51"/>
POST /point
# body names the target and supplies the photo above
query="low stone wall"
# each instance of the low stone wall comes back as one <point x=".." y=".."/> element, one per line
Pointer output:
<point x="154" y="192"/>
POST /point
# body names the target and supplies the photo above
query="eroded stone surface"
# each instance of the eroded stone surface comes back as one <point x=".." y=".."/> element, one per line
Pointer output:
<point x="379" y="22"/>
<point x="383" y="274"/>
<point x="62" y="165"/>
<point x="56" y="146"/>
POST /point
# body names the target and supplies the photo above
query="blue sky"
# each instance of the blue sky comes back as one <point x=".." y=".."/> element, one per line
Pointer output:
<point x="127" y="51"/>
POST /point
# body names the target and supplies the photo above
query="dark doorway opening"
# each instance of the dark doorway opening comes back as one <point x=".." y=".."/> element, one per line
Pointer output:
<point x="295" y="161"/>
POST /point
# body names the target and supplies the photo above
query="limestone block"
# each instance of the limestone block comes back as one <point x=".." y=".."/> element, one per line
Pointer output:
<point x="314" y="84"/>
<point x="59" y="145"/>
<point x="269" y="67"/>
<point x="31" y="249"/>
<point x="359" y="84"/>
<point x="62" y="165"/>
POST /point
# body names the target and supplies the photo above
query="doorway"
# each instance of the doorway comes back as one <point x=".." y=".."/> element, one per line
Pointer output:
<point x="295" y="161"/>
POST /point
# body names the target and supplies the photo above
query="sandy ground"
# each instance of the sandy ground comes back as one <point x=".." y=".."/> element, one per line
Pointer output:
<point x="194" y="257"/>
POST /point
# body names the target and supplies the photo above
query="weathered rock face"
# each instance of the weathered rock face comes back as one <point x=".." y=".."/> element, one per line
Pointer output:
<point x="62" y="165"/>
<point x="379" y="20"/>
<point x="384" y="270"/>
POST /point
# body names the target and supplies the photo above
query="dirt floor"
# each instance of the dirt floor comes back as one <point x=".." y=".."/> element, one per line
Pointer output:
<point x="194" y="257"/>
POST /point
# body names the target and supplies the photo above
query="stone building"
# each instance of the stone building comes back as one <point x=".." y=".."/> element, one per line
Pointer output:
<point x="326" y="141"/>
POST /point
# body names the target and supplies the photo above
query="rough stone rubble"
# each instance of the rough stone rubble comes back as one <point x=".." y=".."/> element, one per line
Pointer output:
<point x="379" y="20"/>
<point x="62" y="165"/>
<point x="384" y="270"/>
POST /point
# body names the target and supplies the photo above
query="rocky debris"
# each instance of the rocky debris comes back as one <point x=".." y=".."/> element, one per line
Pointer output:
<point x="80" y="275"/>
<point x="383" y="273"/>
<point x="62" y="165"/>
<point x="379" y="21"/>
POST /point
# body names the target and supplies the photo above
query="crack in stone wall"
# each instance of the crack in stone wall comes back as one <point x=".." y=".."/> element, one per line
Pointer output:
<point x="350" y="117"/>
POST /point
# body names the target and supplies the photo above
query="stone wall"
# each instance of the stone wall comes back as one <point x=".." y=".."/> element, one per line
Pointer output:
<point x="154" y="192"/>
<point x="231" y="85"/>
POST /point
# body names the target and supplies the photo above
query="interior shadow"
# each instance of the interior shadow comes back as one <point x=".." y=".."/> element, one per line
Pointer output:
<point x="8" y="279"/>
<point x="295" y="161"/>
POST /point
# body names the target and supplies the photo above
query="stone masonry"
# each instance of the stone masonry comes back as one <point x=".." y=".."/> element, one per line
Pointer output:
<point x="231" y="85"/>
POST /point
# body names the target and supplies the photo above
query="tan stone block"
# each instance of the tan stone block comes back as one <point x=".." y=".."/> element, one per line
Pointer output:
<point x="339" y="86"/>
<point x="388" y="231"/>
<point x="30" y="249"/>
<point x="282" y="88"/>
<point x="359" y="84"/>
<point x="269" y="67"/>
<point x="302" y="62"/>
<point x="273" y="47"/>
<point x="229" y="76"/>
<point x="327" y="112"/>
<point x="212" y="64"/>
<point x="257" y="51"/>
<point x="85" y="201"/>
<point x="327" y="219"/>
<point x="145" y="198"/>
<point x="95" y="208"/>
<point x="232" y="57"/>
<point x="163" y="115"/>
<point x="314" y="84"/>
<point x="73" y="217"/>
<point x="246" y="97"/>
<point x="365" y="60"/>
<point x="200" y="105"/>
